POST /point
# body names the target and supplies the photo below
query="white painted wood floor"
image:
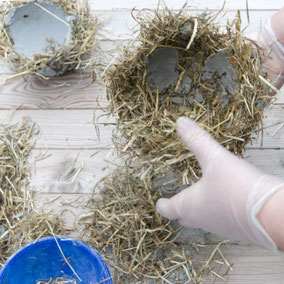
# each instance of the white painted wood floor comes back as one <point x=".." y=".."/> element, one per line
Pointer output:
<point x="65" y="111"/>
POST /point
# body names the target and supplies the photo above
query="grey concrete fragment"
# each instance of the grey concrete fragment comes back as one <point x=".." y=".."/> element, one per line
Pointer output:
<point x="2" y="230"/>
<point x="198" y="97"/>
<point x="162" y="70"/>
<point x="185" y="85"/>
<point x="38" y="28"/>
<point x="187" y="235"/>
<point x="191" y="99"/>
<point x="186" y="31"/>
<point x="221" y="66"/>
<point x="178" y="100"/>
<point x="169" y="183"/>
<point x="219" y="72"/>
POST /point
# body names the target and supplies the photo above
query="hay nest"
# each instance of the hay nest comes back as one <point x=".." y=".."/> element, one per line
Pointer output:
<point x="76" y="52"/>
<point x="19" y="222"/>
<point x="185" y="66"/>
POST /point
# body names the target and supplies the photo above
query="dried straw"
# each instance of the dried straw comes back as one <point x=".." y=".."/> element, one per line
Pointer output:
<point x="135" y="240"/>
<point x="19" y="222"/>
<point x="147" y="117"/>
<point x="79" y="55"/>
<point x="59" y="280"/>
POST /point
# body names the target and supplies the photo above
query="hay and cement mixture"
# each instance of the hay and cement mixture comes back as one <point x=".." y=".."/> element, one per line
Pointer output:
<point x="186" y="67"/>
<point x="136" y="241"/>
<point x="20" y="223"/>
<point x="47" y="37"/>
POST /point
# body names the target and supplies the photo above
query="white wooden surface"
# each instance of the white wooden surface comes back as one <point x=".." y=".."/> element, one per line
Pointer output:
<point x="65" y="113"/>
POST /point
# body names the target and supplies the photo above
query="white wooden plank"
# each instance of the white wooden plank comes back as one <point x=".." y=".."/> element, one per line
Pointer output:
<point x="72" y="91"/>
<point x="273" y="132"/>
<point x="70" y="171"/>
<point x="280" y="97"/>
<point x="251" y="265"/>
<point x="177" y="4"/>
<point x="74" y="129"/>
<point x="4" y="68"/>
<point x="64" y="92"/>
<point x="68" y="207"/>
<point x="67" y="129"/>
<point x="75" y="171"/>
<point x="270" y="161"/>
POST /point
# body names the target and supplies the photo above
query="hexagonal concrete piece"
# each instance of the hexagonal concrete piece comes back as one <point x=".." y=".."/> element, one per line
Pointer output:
<point x="37" y="28"/>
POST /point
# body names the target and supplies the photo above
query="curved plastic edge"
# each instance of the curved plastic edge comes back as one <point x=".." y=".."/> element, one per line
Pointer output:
<point x="51" y="238"/>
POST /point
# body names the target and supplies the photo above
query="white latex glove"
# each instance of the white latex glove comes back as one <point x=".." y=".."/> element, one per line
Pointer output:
<point x="271" y="38"/>
<point x="227" y="199"/>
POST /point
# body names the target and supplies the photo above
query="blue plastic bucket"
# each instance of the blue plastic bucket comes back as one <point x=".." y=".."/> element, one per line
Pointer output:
<point x="43" y="260"/>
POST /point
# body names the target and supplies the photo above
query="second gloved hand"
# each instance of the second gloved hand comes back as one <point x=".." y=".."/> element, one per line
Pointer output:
<point x="271" y="38"/>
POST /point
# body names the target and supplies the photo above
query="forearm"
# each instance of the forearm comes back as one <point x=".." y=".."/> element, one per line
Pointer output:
<point x="271" y="218"/>
<point x="271" y="215"/>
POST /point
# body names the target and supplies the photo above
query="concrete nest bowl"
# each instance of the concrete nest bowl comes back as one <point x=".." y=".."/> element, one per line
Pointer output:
<point x="47" y="37"/>
<point x="185" y="66"/>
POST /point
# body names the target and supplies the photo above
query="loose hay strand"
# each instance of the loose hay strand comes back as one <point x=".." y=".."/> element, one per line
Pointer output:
<point x="19" y="222"/>
<point x="193" y="34"/>
<point x="22" y="74"/>
<point x="63" y="255"/>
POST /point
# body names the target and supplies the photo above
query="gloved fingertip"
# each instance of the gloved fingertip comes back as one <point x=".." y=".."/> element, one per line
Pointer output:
<point x="182" y="125"/>
<point x="181" y="121"/>
<point x="161" y="206"/>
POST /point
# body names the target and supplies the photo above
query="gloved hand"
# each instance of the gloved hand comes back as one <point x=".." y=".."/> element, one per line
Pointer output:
<point x="271" y="38"/>
<point x="229" y="196"/>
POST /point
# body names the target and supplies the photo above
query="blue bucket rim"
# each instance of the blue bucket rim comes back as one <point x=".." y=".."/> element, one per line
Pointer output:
<point x="13" y="258"/>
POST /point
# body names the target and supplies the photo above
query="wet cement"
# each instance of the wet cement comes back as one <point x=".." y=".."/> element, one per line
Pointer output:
<point x="217" y="72"/>
<point x="162" y="70"/>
